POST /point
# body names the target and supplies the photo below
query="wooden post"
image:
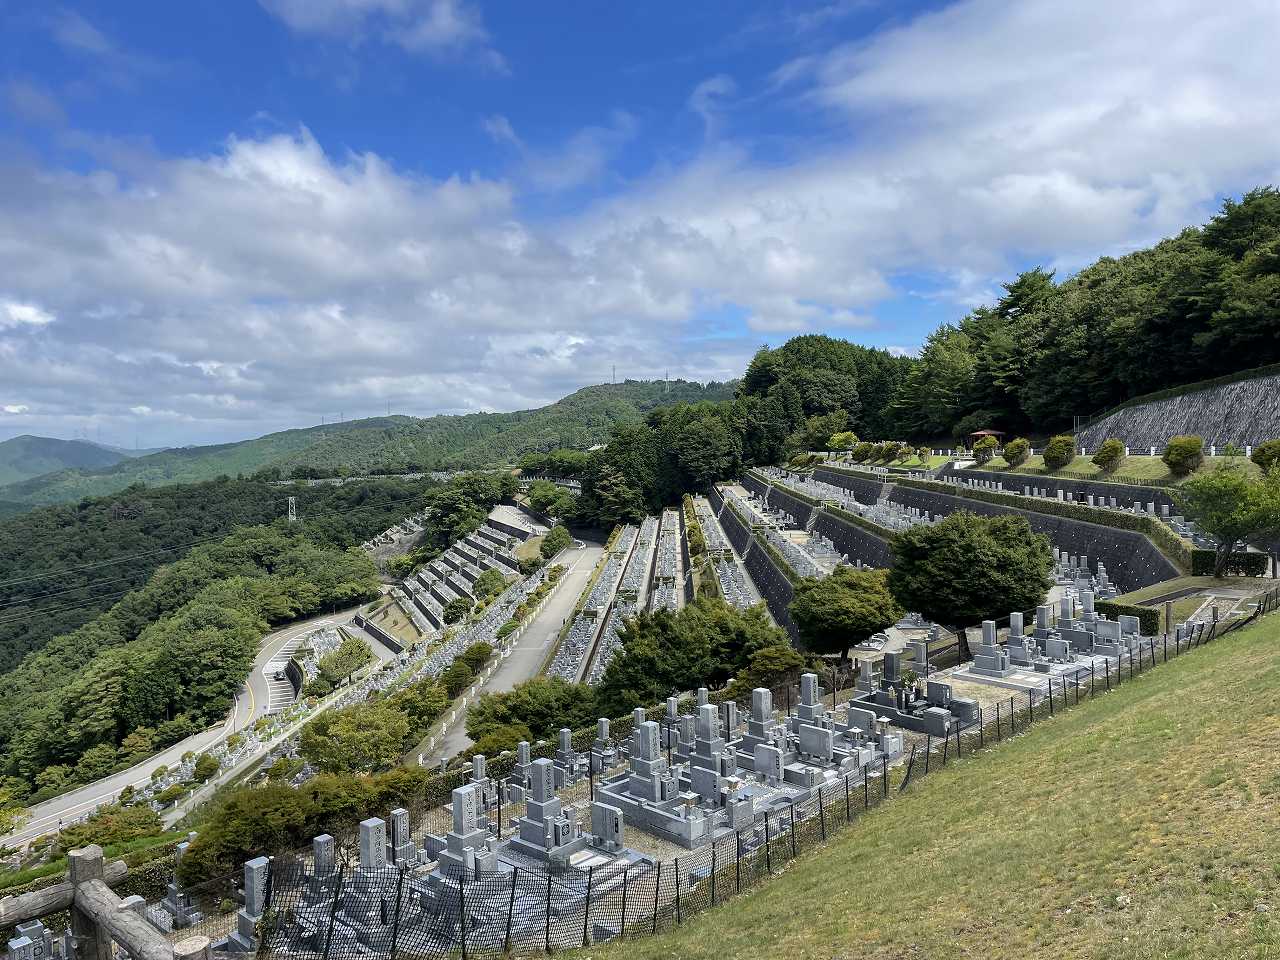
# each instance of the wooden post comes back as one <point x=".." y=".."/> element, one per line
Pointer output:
<point x="92" y="940"/>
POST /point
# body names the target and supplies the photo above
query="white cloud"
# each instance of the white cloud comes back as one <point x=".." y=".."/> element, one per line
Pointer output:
<point x="16" y="314"/>
<point x="707" y="100"/>
<point x="438" y="28"/>
<point x="15" y="409"/>
<point x="271" y="276"/>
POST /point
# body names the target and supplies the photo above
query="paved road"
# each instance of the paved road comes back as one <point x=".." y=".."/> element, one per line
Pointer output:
<point x="531" y="649"/>
<point x="253" y="700"/>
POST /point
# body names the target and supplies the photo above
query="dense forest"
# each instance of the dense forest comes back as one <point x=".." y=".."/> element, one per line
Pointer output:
<point x="165" y="661"/>
<point x="1202" y="304"/>
<point x="383" y="444"/>
<point x="61" y="566"/>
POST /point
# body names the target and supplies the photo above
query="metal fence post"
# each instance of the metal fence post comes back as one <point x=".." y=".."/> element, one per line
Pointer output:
<point x="884" y="774"/>
<point x="737" y="862"/>
<point x="1031" y="708"/>
<point x="768" y="857"/>
<point x="1106" y="669"/>
<point x="866" y="787"/>
<point x="511" y="909"/>
<point x="333" y="910"/>
<point x="679" y="919"/>
<point x="547" y="933"/>
<point x="657" y="885"/>
<point x="1051" y="696"/>
<point x="847" y="815"/>
<point x="586" y="910"/>
<point x="622" y="922"/>
<point x="1012" y="716"/>
<point x="462" y="910"/>
<point x="713" y="872"/>
<point x="946" y="748"/>
<point x="982" y="734"/>
<point x="395" y="921"/>
<point x="928" y="749"/>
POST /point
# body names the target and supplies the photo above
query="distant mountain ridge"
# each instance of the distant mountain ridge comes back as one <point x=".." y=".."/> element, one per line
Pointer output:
<point x="28" y="456"/>
<point x="398" y="443"/>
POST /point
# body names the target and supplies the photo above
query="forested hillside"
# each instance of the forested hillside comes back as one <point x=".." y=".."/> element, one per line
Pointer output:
<point x="61" y="566"/>
<point x="1202" y="304"/>
<point x="27" y="456"/>
<point x="384" y="444"/>
<point x="166" y="660"/>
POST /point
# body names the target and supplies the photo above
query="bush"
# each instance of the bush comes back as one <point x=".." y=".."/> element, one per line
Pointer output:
<point x="1266" y="455"/>
<point x="1060" y="451"/>
<point x="113" y="824"/>
<point x="1017" y="451"/>
<point x="205" y="767"/>
<point x="1184" y="455"/>
<point x="923" y="454"/>
<point x="984" y="450"/>
<point x="1241" y="564"/>
<point x="507" y="629"/>
<point x="456" y="609"/>
<point x="457" y="677"/>
<point x="500" y="739"/>
<point x="1148" y="617"/>
<point x="863" y="451"/>
<point x="476" y="656"/>
<point x="557" y="539"/>
<point x="1109" y="456"/>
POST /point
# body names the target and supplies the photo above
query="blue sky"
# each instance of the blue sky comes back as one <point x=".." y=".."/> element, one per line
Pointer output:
<point x="223" y="218"/>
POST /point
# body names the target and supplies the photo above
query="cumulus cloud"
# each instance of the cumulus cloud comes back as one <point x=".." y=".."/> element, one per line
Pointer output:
<point x="15" y="409"/>
<point x="273" y="279"/>
<point x="434" y="27"/>
<point x="16" y="314"/>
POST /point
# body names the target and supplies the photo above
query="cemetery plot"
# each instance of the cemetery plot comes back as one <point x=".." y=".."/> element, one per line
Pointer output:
<point x="573" y="656"/>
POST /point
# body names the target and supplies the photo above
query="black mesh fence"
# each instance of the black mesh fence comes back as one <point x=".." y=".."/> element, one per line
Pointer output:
<point x="524" y="907"/>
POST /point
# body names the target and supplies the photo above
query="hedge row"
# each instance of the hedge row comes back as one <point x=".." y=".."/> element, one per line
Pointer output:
<point x="1179" y="551"/>
<point x="1240" y="564"/>
<point x="1149" y="617"/>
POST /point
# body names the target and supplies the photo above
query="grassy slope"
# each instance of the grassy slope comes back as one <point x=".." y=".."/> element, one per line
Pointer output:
<point x="24" y="457"/>
<point x="1144" y="824"/>
<point x="1134" y="468"/>
<point x="474" y="440"/>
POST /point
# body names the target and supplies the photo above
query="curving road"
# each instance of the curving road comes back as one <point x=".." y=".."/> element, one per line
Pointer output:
<point x="252" y="702"/>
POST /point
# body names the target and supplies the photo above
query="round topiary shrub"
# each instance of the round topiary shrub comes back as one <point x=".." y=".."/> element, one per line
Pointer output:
<point x="1184" y="455"/>
<point x="1266" y="455"/>
<point x="1060" y="451"/>
<point x="984" y="450"/>
<point x="1017" y="451"/>
<point x="1110" y="455"/>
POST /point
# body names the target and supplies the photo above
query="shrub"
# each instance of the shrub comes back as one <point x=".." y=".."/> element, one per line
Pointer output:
<point x="1148" y="617"/>
<point x="205" y="767"/>
<point x="457" y="677"/>
<point x="456" y="609"/>
<point x="507" y="629"/>
<point x="1109" y="456"/>
<point x="923" y="454"/>
<point x="476" y="656"/>
<point x="863" y="451"/>
<point x="1266" y="455"/>
<point x="1184" y="455"/>
<point x="984" y="450"/>
<point x="557" y="539"/>
<point x="1017" y="451"/>
<point x="1241" y="564"/>
<point x="1060" y="451"/>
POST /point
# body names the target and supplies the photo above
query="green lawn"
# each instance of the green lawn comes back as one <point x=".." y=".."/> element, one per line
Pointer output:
<point x="1134" y="468"/>
<point x="1143" y="824"/>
